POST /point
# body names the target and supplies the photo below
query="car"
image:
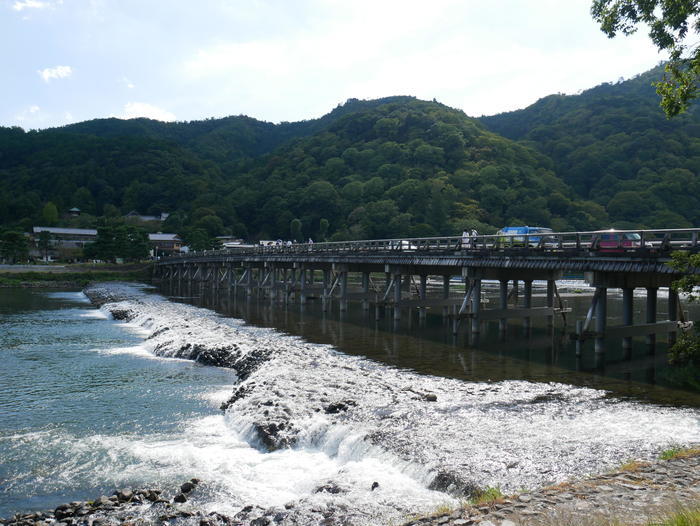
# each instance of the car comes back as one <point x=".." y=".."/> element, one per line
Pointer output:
<point x="615" y="241"/>
<point x="402" y="244"/>
<point x="519" y="236"/>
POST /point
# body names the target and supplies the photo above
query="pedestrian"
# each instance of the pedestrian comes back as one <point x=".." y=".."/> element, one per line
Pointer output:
<point x="465" y="239"/>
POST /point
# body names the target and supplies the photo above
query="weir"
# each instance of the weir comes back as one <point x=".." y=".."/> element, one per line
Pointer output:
<point x="394" y="274"/>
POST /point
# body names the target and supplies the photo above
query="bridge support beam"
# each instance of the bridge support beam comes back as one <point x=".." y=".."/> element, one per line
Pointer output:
<point x="651" y="315"/>
<point x="476" y="306"/>
<point x="527" y="302"/>
<point x="422" y="292"/>
<point x="601" y="316"/>
<point x="672" y="313"/>
<point x="325" y="301"/>
<point x="365" y="290"/>
<point x="445" y="293"/>
<point x="397" y="296"/>
<point x="550" y="301"/>
<point x="503" y="304"/>
<point x="627" y="319"/>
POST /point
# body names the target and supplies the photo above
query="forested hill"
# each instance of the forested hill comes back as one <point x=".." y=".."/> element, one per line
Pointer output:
<point x="612" y="144"/>
<point x="228" y="139"/>
<point x="390" y="167"/>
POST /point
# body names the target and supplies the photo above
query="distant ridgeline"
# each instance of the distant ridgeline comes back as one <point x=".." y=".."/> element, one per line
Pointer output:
<point x="392" y="167"/>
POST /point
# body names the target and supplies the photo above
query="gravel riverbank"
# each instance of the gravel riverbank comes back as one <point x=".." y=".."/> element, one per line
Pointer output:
<point x="632" y="496"/>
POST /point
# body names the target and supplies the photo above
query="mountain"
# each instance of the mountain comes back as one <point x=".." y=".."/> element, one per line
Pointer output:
<point x="613" y="145"/>
<point x="389" y="167"/>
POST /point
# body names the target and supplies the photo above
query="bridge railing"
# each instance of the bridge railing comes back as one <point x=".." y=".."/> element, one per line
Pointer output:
<point x="607" y="242"/>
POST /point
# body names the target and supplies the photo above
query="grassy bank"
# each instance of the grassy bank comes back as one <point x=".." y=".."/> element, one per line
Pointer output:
<point x="73" y="275"/>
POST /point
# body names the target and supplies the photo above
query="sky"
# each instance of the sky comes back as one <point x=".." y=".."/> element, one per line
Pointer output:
<point x="66" y="61"/>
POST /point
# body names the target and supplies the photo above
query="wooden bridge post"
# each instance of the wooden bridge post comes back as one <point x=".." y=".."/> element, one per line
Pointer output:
<point x="672" y="313"/>
<point x="249" y="280"/>
<point x="527" y="300"/>
<point x="651" y="314"/>
<point x="550" y="301"/>
<point x="344" y="290"/>
<point x="422" y="294"/>
<point x="326" y="290"/>
<point x="302" y="285"/>
<point x="397" y="296"/>
<point x="476" y="305"/>
<point x="272" y="276"/>
<point x="627" y="319"/>
<point x="445" y="293"/>
<point x="365" y="291"/>
<point x="503" y="304"/>
<point x="601" y="319"/>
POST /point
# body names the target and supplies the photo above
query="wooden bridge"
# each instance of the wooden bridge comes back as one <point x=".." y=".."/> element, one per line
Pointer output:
<point x="395" y="273"/>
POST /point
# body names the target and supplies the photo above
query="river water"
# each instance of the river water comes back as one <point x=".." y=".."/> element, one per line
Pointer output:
<point x="89" y="404"/>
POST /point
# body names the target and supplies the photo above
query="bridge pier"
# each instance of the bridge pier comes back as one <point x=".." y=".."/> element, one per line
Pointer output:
<point x="551" y="284"/>
<point x="627" y="320"/>
<point x="601" y="315"/>
<point x="445" y="293"/>
<point x="527" y="302"/>
<point x="365" y="291"/>
<point x="652" y="293"/>
<point x="422" y="293"/>
<point x="503" y="304"/>
<point x="628" y="282"/>
<point x="672" y="313"/>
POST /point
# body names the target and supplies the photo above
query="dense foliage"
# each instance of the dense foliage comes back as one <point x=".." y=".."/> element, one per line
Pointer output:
<point x="669" y="22"/>
<point x="613" y="145"/>
<point x="391" y="167"/>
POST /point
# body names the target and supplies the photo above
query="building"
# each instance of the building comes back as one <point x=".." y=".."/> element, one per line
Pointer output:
<point x="61" y="243"/>
<point x="164" y="244"/>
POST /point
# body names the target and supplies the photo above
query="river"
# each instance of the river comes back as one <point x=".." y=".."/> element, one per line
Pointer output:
<point x="372" y="423"/>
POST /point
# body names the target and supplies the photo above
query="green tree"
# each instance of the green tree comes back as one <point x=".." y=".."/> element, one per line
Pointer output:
<point x="49" y="214"/>
<point x="115" y="241"/>
<point x="669" y="22"/>
<point x="323" y="225"/>
<point x="295" y="230"/>
<point x="198" y="239"/>
<point x="44" y="243"/>
<point x="14" y="246"/>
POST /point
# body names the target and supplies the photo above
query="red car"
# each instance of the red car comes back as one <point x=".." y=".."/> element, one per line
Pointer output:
<point x="612" y="241"/>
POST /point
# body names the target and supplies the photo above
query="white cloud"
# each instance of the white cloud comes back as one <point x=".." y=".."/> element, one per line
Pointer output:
<point x="128" y="83"/>
<point x="34" y="109"/>
<point x="29" y="4"/>
<point x="58" y="72"/>
<point x="133" y="110"/>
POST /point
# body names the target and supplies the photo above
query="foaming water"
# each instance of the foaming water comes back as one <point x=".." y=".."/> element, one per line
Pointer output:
<point x="114" y="414"/>
<point x="90" y="405"/>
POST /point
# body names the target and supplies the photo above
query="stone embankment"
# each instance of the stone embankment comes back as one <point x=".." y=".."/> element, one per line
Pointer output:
<point x="632" y="496"/>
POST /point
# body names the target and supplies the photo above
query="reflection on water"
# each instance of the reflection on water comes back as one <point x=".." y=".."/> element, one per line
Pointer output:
<point x="427" y="345"/>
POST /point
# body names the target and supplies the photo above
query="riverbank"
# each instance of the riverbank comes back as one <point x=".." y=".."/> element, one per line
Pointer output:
<point x="637" y="494"/>
<point x="70" y="276"/>
<point x="634" y="495"/>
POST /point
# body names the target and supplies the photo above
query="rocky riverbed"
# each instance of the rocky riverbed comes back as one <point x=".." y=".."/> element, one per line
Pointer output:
<point x="421" y="441"/>
<point x="632" y="496"/>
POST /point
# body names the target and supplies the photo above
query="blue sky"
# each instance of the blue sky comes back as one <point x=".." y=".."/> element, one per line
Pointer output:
<point x="66" y="61"/>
